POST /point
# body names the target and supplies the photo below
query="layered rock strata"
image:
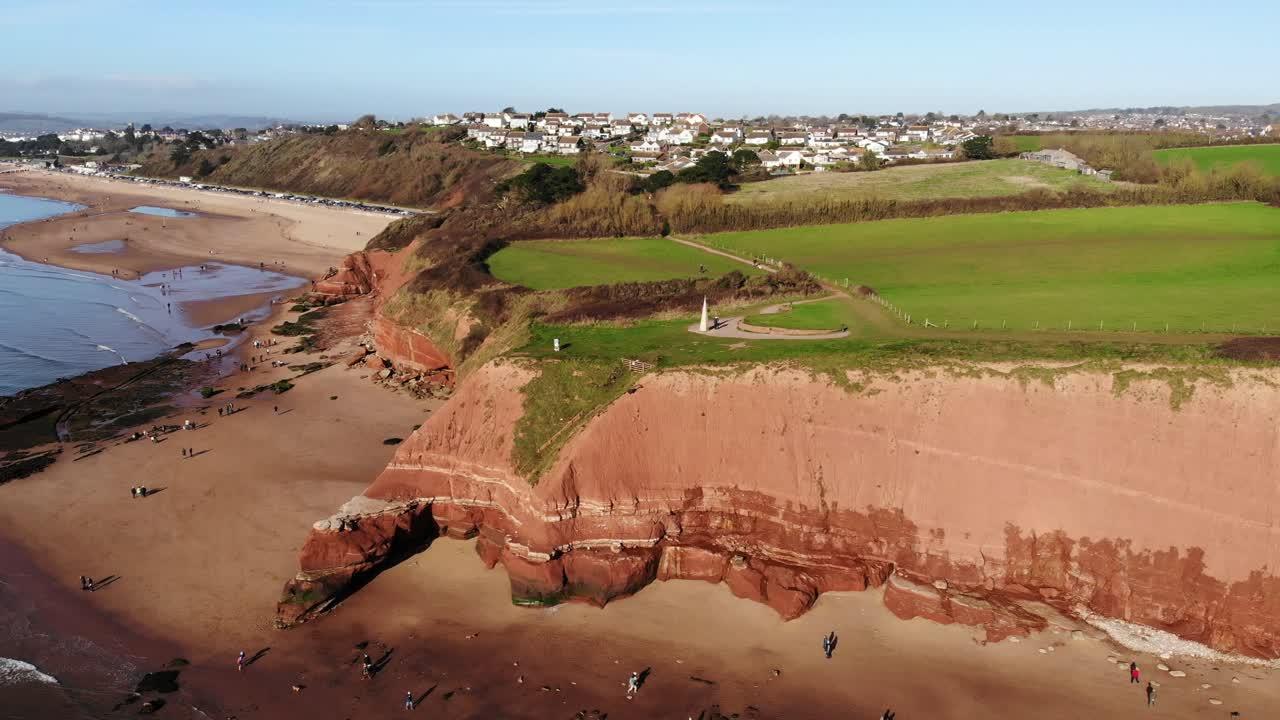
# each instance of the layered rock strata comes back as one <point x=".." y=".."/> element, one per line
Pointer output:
<point x="967" y="492"/>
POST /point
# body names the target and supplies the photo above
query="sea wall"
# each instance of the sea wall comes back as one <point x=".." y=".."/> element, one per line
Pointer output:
<point x="967" y="492"/>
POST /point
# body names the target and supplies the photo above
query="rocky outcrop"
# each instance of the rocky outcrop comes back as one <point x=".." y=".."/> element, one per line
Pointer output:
<point x="1080" y="490"/>
<point x="356" y="276"/>
<point x="407" y="348"/>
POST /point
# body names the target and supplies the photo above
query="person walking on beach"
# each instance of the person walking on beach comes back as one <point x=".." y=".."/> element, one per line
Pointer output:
<point x="1151" y="694"/>
<point x="84" y="582"/>
<point x="366" y="670"/>
<point x="184" y="452"/>
<point x="408" y="701"/>
<point x="240" y="662"/>
<point x="1135" y="675"/>
<point x="633" y="684"/>
<point x="829" y="644"/>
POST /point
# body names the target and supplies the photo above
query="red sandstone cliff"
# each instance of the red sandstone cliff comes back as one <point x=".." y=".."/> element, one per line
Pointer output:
<point x="970" y="492"/>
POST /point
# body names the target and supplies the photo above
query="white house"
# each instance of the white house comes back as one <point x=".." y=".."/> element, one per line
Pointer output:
<point x="478" y="132"/>
<point x="875" y="146"/>
<point x="793" y="157"/>
<point x="676" y="135"/>
<point x="769" y="160"/>
<point x="918" y="133"/>
<point x="663" y="119"/>
<point x="568" y="144"/>
<point x="793" y="138"/>
<point x="723" y="137"/>
<point x="531" y="142"/>
<point x="520" y="121"/>
<point x="495" y="139"/>
<point x="692" y="118"/>
<point x="678" y="164"/>
<point x="445" y="119"/>
<point x="758" y="137"/>
<point x="494" y="121"/>
<point x="645" y="158"/>
<point x="637" y="119"/>
<point x="646" y="146"/>
<point x="620" y="128"/>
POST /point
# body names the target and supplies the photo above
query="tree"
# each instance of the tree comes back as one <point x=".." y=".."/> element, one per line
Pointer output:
<point x="929" y="117"/>
<point x="146" y="127"/>
<point x="544" y="184"/>
<point x="869" y="161"/>
<point x="982" y="115"/>
<point x="559" y="111"/>
<point x="180" y="154"/>
<point x="657" y="181"/>
<point x="979" y="148"/>
<point x="744" y="157"/>
<point x="508" y="109"/>
<point x="205" y="168"/>
<point x="714" y="167"/>
<point x="366" y="122"/>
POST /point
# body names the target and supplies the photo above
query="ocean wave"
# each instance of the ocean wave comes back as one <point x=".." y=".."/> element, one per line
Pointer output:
<point x="16" y="672"/>
<point x="130" y="315"/>
<point x="104" y="348"/>
<point x="28" y="353"/>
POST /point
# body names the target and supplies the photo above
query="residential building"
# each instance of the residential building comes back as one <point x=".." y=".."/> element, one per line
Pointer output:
<point x="445" y="119"/>
<point x="637" y="119"/>
<point x="758" y="137"/>
<point x="568" y="144"/>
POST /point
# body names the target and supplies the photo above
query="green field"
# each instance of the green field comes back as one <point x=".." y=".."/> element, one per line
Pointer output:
<point x="1211" y="267"/>
<point x="988" y="178"/>
<point x="832" y="314"/>
<point x="555" y="264"/>
<point x="1221" y="156"/>
<point x="1027" y="143"/>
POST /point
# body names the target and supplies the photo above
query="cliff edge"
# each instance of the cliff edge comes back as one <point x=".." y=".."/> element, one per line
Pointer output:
<point x="967" y="492"/>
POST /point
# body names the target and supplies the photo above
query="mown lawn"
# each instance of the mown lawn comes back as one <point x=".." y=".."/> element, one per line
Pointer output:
<point x="555" y="264"/>
<point x="1222" y="156"/>
<point x="1192" y="267"/>
<point x="988" y="178"/>
<point x="830" y="314"/>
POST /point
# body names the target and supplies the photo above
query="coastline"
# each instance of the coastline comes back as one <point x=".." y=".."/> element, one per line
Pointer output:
<point x="201" y="561"/>
<point x="229" y="229"/>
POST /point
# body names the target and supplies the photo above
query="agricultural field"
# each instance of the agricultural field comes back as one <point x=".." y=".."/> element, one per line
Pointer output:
<point x="1222" y="156"/>
<point x="555" y="264"/>
<point x="988" y="178"/>
<point x="1186" y="267"/>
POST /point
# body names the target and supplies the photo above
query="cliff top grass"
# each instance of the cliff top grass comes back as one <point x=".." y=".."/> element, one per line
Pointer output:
<point x="830" y="314"/>
<point x="989" y="178"/>
<point x="1223" y="156"/>
<point x="1190" y="268"/>
<point x="558" y="264"/>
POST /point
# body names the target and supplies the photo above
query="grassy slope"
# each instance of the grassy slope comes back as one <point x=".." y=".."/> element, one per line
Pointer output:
<point x="1214" y="265"/>
<point x="991" y="178"/>
<point x="1208" y="158"/>
<point x="411" y="168"/>
<point x="555" y="264"/>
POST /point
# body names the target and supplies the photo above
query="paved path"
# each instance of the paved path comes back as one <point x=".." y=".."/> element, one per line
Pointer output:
<point x="729" y="326"/>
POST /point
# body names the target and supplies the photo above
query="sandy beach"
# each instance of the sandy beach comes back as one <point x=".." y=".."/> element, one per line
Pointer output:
<point x="201" y="562"/>
<point x="306" y="239"/>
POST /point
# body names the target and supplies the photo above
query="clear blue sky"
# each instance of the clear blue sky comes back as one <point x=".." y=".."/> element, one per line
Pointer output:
<point x="335" y="59"/>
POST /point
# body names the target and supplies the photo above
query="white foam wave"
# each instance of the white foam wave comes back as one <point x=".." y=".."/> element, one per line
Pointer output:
<point x="16" y="672"/>
<point x="130" y="315"/>
<point x="105" y="348"/>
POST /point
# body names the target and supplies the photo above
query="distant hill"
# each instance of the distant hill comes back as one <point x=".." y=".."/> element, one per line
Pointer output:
<point x="190" y="121"/>
<point x="413" y="167"/>
<point x="1224" y="110"/>
<point x="26" y="123"/>
<point x="36" y="123"/>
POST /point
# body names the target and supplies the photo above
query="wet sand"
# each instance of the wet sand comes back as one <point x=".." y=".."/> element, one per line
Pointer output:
<point x="226" y="228"/>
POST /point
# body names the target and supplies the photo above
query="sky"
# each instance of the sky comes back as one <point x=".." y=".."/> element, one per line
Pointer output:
<point x="337" y="59"/>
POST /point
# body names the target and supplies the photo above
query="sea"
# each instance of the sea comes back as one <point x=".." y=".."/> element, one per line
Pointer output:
<point x="58" y="323"/>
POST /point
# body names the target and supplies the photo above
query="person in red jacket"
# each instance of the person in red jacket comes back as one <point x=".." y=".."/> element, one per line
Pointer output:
<point x="1135" y="675"/>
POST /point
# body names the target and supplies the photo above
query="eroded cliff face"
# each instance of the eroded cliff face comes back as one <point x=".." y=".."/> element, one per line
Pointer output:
<point x="966" y="492"/>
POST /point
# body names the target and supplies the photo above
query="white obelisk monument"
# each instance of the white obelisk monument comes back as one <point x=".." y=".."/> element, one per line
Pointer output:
<point x="702" y="326"/>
